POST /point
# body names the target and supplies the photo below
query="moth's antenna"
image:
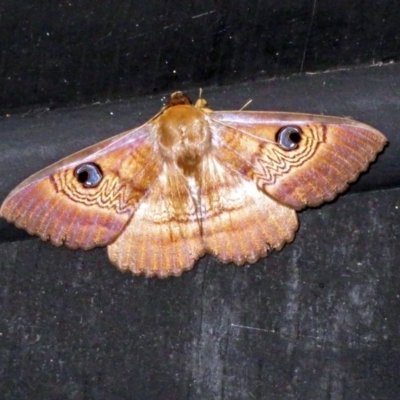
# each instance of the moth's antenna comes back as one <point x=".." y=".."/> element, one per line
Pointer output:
<point x="201" y="103"/>
<point x="250" y="101"/>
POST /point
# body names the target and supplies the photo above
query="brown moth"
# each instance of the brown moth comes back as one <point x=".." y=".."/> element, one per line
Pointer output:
<point x="192" y="181"/>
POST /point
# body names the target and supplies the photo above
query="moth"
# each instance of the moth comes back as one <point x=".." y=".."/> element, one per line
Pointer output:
<point x="192" y="181"/>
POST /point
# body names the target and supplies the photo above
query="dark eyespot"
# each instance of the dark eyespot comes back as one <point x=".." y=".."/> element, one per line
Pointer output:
<point x="90" y="174"/>
<point x="289" y="137"/>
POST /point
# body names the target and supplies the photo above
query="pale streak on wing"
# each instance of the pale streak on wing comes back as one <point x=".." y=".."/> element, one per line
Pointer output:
<point x="240" y="223"/>
<point x="163" y="237"/>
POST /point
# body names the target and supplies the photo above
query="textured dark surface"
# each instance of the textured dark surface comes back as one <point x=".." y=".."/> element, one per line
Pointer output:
<point x="72" y="51"/>
<point x="317" y="320"/>
<point x="36" y="139"/>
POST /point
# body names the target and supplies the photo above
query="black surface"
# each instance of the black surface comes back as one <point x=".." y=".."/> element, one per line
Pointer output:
<point x="318" y="320"/>
<point x="60" y="52"/>
<point x="33" y="140"/>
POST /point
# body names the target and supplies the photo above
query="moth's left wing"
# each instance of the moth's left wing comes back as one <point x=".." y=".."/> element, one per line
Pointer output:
<point x="56" y="206"/>
<point x="308" y="163"/>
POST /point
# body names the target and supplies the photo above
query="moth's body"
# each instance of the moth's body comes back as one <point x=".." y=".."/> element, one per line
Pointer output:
<point x="194" y="181"/>
<point x="184" y="136"/>
<point x="184" y="140"/>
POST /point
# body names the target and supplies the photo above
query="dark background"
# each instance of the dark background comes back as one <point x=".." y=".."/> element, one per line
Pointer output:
<point x="318" y="320"/>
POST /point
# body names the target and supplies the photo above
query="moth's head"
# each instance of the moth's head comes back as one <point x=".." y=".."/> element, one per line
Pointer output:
<point x="178" y="98"/>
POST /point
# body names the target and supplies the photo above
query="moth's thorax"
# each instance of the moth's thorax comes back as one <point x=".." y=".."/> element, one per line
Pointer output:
<point x="184" y="135"/>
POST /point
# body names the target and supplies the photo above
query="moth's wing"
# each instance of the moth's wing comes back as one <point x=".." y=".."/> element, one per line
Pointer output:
<point x="331" y="153"/>
<point x="163" y="237"/>
<point x="240" y="223"/>
<point x="54" y="205"/>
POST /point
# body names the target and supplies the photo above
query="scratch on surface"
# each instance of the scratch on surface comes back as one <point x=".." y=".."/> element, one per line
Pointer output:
<point x="364" y="340"/>
<point x="308" y="35"/>
<point x="171" y="26"/>
<point x="203" y="14"/>
<point x="253" y="328"/>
